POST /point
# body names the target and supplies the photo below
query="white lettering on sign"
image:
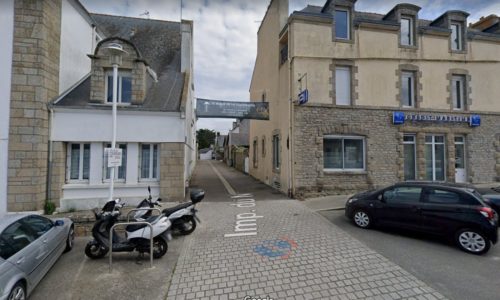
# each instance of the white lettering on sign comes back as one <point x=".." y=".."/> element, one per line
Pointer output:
<point x="246" y="223"/>
<point x="114" y="156"/>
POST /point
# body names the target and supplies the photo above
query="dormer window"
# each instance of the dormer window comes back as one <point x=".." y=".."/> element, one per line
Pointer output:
<point x="342" y="26"/>
<point x="456" y="37"/>
<point x="406" y="31"/>
<point x="124" y="87"/>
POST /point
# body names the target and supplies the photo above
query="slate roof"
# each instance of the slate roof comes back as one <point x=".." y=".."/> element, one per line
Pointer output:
<point x="159" y="43"/>
<point x="376" y="18"/>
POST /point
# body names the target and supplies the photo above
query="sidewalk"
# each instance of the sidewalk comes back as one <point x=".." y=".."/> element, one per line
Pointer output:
<point x="294" y="254"/>
<point x="333" y="202"/>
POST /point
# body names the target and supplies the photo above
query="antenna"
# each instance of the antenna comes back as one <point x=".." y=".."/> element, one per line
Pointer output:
<point x="145" y="13"/>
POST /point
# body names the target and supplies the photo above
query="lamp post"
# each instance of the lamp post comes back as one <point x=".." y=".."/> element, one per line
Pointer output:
<point x="116" y="51"/>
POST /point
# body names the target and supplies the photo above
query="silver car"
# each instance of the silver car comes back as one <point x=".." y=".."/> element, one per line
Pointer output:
<point x="29" y="246"/>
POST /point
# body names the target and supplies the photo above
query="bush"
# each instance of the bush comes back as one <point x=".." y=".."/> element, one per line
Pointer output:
<point x="49" y="208"/>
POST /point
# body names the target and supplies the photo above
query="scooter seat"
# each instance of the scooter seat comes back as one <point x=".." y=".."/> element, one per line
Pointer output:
<point x="171" y="210"/>
<point x="134" y="227"/>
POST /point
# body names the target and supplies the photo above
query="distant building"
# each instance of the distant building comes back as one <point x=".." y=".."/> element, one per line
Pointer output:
<point x="237" y="139"/>
<point x="390" y="97"/>
<point x="60" y="106"/>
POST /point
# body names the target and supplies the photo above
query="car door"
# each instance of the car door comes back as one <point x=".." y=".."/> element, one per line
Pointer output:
<point x="444" y="210"/>
<point x="400" y="207"/>
<point x="22" y="249"/>
<point x="51" y="238"/>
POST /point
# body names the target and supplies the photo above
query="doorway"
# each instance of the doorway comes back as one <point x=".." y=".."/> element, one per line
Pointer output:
<point x="460" y="171"/>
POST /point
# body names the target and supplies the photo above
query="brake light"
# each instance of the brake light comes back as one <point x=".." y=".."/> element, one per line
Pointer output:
<point x="487" y="212"/>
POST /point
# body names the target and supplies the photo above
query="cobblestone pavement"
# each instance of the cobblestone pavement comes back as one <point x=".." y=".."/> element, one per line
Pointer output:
<point x="294" y="254"/>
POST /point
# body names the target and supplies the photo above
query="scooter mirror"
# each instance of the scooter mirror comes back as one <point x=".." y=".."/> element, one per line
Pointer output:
<point x="149" y="189"/>
<point x="159" y="200"/>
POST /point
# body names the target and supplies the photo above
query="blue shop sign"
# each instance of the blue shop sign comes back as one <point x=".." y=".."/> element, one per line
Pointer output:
<point x="303" y="97"/>
<point x="399" y="117"/>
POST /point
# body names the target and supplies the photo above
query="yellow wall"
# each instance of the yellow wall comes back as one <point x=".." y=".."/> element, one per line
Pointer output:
<point x="377" y="56"/>
<point x="272" y="79"/>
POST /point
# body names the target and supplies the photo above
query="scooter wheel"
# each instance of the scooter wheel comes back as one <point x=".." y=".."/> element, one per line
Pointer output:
<point x="95" y="251"/>
<point x="188" y="226"/>
<point x="160" y="247"/>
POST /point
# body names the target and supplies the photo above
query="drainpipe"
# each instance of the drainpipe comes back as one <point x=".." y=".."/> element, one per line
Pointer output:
<point x="291" y="191"/>
<point x="48" y="192"/>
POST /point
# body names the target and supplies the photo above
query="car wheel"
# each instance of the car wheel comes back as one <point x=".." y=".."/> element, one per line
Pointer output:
<point x="472" y="241"/>
<point x="18" y="292"/>
<point x="362" y="219"/>
<point x="70" y="239"/>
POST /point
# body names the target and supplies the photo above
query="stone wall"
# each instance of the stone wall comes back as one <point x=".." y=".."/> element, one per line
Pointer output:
<point x="58" y="175"/>
<point x="130" y="63"/>
<point x="35" y="81"/>
<point x="383" y="148"/>
<point x="172" y="185"/>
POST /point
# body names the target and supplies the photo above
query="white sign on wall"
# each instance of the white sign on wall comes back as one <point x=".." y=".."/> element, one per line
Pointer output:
<point x="114" y="156"/>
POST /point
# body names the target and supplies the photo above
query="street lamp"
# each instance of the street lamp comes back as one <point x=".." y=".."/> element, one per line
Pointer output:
<point x="116" y="51"/>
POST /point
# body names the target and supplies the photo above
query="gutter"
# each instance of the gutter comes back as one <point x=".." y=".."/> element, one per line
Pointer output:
<point x="48" y="192"/>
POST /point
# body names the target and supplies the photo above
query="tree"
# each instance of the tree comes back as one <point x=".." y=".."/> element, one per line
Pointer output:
<point x="205" y="138"/>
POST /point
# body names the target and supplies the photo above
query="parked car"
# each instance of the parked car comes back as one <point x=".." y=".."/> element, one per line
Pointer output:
<point x="492" y="197"/>
<point x="452" y="210"/>
<point x="29" y="246"/>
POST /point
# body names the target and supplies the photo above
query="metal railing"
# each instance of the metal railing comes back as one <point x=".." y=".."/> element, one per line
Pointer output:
<point x="130" y="223"/>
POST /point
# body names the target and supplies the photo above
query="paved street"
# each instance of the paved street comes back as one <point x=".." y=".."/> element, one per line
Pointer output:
<point x="278" y="249"/>
<point x="452" y="272"/>
<point x="74" y="276"/>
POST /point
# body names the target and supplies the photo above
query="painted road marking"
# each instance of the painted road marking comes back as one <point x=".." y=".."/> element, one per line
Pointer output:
<point x="246" y="223"/>
<point x="226" y="184"/>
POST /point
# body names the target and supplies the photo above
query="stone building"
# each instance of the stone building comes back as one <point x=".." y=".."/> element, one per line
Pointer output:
<point x="389" y="98"/>
<point x="59" y="112"/>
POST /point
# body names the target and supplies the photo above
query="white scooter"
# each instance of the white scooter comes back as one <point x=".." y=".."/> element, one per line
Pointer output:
<point x="137" y="235"/>
<point x="182" y="216"/>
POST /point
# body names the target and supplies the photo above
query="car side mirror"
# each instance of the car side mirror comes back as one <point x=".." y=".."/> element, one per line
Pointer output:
<point x="59" y="223"/>
<point x="380" y="198"/>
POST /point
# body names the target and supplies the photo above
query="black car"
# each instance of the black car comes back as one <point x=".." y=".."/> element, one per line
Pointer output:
<point x="452" y="210"/>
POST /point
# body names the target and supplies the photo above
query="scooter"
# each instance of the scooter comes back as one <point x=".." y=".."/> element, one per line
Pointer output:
<point x="137" y="236"/>
<point x="182" y="216"/>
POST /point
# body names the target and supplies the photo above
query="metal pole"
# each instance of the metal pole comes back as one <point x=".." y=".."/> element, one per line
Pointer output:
<point x="113" y="140"/>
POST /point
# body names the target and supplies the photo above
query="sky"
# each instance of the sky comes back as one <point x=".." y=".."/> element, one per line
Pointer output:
<point x="225" y="35"/>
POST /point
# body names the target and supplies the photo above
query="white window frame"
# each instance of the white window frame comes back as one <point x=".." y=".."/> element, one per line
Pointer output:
<point x="433" y="144"/>
<point x="414" y="143"/>
<point x="105" y="168"/>
<point x="80" y="163"/>
<point x="410" y="31"/>
<point x="348" y="101"/>
<point x="458" y="44"/>
<point x="346" y="137"/>
<point x="405" y="75"/>
<point x="151" y="163"/>
<point x="460" y="97"/>
<point x="348" y="20"/>
<point x="121" y="74"/>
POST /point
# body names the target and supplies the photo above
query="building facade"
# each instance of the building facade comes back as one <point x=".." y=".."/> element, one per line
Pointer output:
<point x="59" y="113"/>
<point x="390" y="97"/>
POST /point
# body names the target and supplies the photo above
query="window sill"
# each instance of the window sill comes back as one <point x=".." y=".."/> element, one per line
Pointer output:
<point x="458" y="51"/>
<point x="344" y="172"/>
<point x="346" y="41"/>
<point x="408" y="47"/>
